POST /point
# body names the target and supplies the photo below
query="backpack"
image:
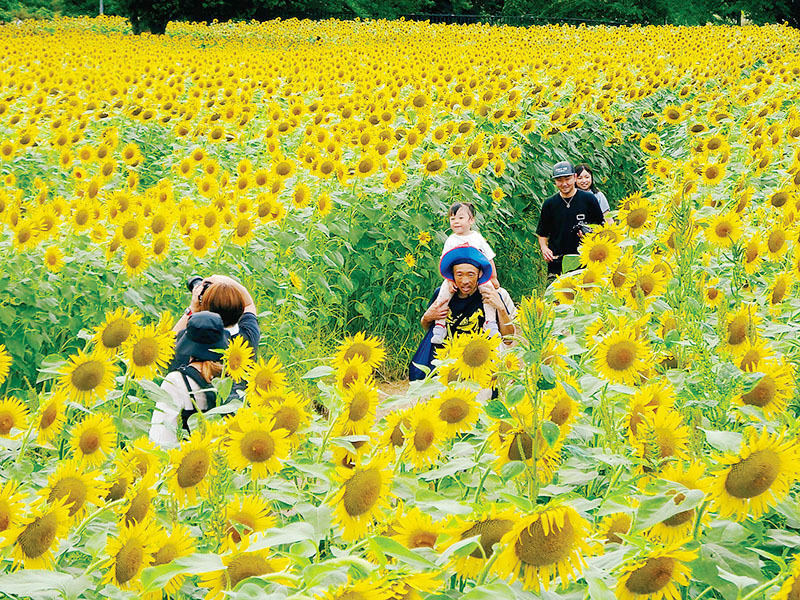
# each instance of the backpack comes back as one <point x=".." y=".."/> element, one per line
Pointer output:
<point x="206" y="388"/>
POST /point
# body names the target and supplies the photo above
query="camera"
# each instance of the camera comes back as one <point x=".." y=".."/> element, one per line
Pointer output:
<point x="193" y="281"/>
<point x="581" y="229"/>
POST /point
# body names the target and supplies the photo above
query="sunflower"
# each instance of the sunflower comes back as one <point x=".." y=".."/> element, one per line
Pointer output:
<point x="368" y="348"/>
<point x="598" y="250"/>
<point x="712" y="294"/>
<point x="416" y="529"/>
<point x="559" y="407"/>
<point x="143" y="456"/>
<point x="79" y="487"/>
<point x="610" y="528"/>
<point x="457" y="409"/>
<point x="756" y="478"/>
<point x="13" y="416"/>
<point x="790" y="589"/>
<point x="551" y="542"/>
<point x="724" y="229"/>
<point x="324" y="204"/>
<point x="394" y="179"/>
<point x="352" y="370"/>
<point x="426" y="434"/>
<point x="238" y="358"/>
<point x="776" y="242"/>
<point x="148" y="351"/>
<point x="772" y="390"/>
<point x="621" y="272"/>
<point x="289" y="412"/>
<point x="130" y="552"/>
<point x="780" y="288"/>
<point x="116" y="329"/>
<point x="360" y="402"/>
<point x="364" y="589"/>
<point x="637" y="215"/>
<point x="476" y="356"/>
<point x="414" y="586"/>
<point x="53" y="259"/>
<point x="266" y="378"/>
<point x="741" y="326"/>
<point x="93" y="439"/>
<point x="661" y="435"/>
<point x="516" y="443"/>
<point x="396" y="428"/>
<point x="658" y="575"/>
<point x="257" y="443"/>
<point x="245" y="515"/>
<point x="239" y="564"/>
<point x="650" y="144"/>
<point x="712" y="173"/>
<point x="565" y="289"/>
<point x="679" y="527"/>
<point x="38" y="534"/>
<point x="644" y="285"/>
<point x="167" y="547"/>
<point x="490" y="526"/>
<point x="191" y="468"/>
<point x="11" y="505"/>
<point x="5" y="363"/>
<point x="364" y="492"/>
<point x="87" y="376"/>
<point x="621" y="356"/>
<point x="751" y="353"/>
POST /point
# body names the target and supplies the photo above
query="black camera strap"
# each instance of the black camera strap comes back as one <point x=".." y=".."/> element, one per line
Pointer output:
<point x="188" y="373"/>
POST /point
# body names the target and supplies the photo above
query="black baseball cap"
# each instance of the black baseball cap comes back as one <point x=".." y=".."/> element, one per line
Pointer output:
<point x="563" y="169"/>
<point x="205" y="334"/>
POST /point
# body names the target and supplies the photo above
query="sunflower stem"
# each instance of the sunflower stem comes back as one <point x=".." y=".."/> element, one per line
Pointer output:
<point x="700" y="512"/>
<point x="479" y="489"/>
<point x="24" y="445"/>
<point x="121" y="406"/>
<point x="486" y="568"/>
<point x="763" y="587"/>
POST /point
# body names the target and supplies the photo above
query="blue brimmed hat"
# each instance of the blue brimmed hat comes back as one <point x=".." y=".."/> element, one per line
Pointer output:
<point x="204" y="334"/>
<point x="465" y="254"/>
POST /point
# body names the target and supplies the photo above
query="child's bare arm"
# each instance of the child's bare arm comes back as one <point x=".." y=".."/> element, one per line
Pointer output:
<point x="494" y="280"/>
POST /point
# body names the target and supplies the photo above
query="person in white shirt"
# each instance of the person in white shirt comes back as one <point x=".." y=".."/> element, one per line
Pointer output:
<point x="188" y="387"/>
<point x="462" y="221"/>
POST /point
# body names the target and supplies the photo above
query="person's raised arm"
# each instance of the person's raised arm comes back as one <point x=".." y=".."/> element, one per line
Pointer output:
<point x="492" y="298"/>
<point x="194" y="306"/>
<point x="436" y="311"/>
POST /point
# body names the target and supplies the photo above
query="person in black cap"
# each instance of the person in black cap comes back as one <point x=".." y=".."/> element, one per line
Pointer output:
<point x="188" y="387"/>
<point x="564" y="218"/>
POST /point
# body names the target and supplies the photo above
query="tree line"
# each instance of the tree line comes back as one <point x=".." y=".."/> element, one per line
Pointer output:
<point x="153" y="15"/>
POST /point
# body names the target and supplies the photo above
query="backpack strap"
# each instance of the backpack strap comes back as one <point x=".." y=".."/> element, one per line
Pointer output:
<point x="188" y="373"/>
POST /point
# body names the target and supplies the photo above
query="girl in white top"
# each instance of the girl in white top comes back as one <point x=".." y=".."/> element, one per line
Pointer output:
<point x="585" y="182"/>
<point x="462" y="220"/>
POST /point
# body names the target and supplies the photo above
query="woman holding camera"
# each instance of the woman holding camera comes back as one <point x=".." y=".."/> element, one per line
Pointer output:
<point x="230" y="300"/>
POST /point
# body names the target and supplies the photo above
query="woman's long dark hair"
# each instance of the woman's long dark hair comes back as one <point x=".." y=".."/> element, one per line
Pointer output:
<point x="580" y="169"/>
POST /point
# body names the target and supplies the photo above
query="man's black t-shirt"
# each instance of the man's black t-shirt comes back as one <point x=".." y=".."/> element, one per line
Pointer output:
<point x="465" y="314"/>
<point x="559" y="217"/>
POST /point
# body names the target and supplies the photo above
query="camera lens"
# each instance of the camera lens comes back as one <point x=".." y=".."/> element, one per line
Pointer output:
<point x="193" y="281"/>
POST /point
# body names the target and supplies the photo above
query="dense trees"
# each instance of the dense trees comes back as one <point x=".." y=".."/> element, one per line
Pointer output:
<point x="153" y="15"/>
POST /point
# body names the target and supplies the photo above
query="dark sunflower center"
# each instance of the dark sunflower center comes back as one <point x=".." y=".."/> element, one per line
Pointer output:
<point x="434" y="165"/>
<point x="762" y="394"/>
<point x="6" y="422"/>
<point x="88" y="375"/>
<point x="89" y="441"/>
<point x="397" y="437"/>
<point x="621" y="355"/>
<point x="38" y="536"/>
<point x="561" y="411"/>
<point x="598" y="253"/>
<point x="75" y="491"/>
<point x="361" y="491"/>
<point x="243" y="228"/>
<point x="521" y="447"/>
<point x="129" y="560"/>
<point x="359" y="406"/>
<point x="778" y="292"/>
<point x="737" y="330"/>
<point x="491" y="531"/>
<point x="476" y="353"/>
<point x="48" y="416"/>
<point x="287" y="418"/>
<point x="193" y="468"/>
<point x="140" y="506"/>
<point x="165" y="555"/>
<point x="776" y="241"/>
<point x="453" y="410"/>
<point x="117" y="490"/>
<point x="424" y="435"/>
<point x="652" y="576"/>
<point x="257" y="446"/>
<point x="358" y="349"/>
<point x="423" y="539"/>
<point x="536" y="548"/>
<point x="621" y="524"/>
<point x="754" y="475"/>
<point x="636" y="218"/>
<point x="723" y="229"/>
<point x="5" y="516"/>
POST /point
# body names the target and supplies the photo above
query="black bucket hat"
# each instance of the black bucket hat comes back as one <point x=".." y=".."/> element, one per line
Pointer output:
<point x="205" y="337"/>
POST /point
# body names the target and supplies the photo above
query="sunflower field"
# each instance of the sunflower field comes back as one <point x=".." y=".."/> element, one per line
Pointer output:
<point x="642" y="443"/>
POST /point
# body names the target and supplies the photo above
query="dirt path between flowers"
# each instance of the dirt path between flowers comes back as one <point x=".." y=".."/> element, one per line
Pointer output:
<point x="386" y="390"/>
